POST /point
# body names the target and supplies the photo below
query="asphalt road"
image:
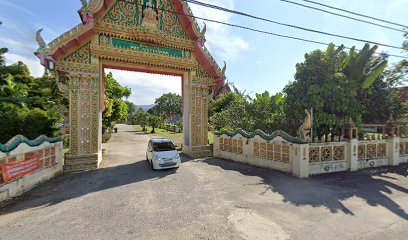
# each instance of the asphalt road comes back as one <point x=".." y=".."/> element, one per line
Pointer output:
<point x="207" y="199"/>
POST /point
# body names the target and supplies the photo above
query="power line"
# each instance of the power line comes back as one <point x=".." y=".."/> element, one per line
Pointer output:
<point x="341" y="15"/>
<point x="255" y="30"/>
<point x="358" y="14"/>
<point x="290" y="25"/>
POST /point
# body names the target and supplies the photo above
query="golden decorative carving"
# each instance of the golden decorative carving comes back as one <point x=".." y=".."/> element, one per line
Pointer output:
<point x="199" y="120"/>
<point x="361" y="152"/>
<point x="277" y="152"/>
<point x="338" y="153"/>
<point x="269" y="150"/>
<point x="326" y="154"/>
<point x="314" y="153"/>
<point x="240" y="147"/>
<point x="222" y="144"/>
<point x="256" y="149"/>
<point x="234" y="146"/>
<point x="149" y="38"/>
<point x="371" y="151"/>
<point x="382" y="150"/>
<point x="262" y="150"/>
<point x="285" y="153"/>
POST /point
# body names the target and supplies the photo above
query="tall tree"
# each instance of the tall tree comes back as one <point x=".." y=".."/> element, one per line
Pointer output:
<point x="168" y="105"/>
<point x="28" y="106"/>
<point x="267" y="112"/>
<point x="115" y="108"/>
<point x="233" y="116"/>
<point x="333" y="83"/>
<point x="131" y="108"/>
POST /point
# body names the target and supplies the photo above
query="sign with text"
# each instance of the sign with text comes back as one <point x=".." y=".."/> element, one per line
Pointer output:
<point x="13" y="171"/>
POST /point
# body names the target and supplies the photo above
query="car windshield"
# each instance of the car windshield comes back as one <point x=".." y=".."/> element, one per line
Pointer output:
<point x="163" y="146"/>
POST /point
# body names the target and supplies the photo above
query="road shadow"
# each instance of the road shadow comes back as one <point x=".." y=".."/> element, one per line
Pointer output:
<point x="73" y="185"/>
<point x="329" y="190"/>
<point x="136" y="132"/>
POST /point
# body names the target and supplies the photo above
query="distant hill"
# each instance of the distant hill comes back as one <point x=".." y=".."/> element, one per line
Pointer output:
<point x="145" y="107"/>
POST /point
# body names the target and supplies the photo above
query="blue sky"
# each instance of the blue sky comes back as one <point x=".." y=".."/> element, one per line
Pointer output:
<point x="256" y="62"/>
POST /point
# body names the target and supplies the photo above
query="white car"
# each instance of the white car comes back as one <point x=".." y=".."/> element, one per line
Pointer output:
<point x="162" y="154"/>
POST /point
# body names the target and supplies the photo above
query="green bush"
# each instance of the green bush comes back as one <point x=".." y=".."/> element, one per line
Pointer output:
<point x="28" y="122"/>
<point x="107" y="135"/>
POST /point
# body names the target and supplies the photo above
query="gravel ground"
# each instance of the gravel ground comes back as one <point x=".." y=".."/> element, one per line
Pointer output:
<point x="207" y="199"/>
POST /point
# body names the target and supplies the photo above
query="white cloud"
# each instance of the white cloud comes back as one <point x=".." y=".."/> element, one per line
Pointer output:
<point x="17" y="7"/>
<point x="36" y="69"/>
<point x="146" y="87"/>
<point x="219" y="37"/>
<point x="20" y="46"/>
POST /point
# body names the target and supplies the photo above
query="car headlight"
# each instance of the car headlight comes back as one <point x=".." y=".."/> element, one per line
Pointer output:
<point x="177" y="156"/>
<point x="156" y="158"/>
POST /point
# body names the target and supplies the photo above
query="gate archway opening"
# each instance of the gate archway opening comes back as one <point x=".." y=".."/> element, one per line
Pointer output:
<point x="142" y="35"/>
<point x="152" y="90"/>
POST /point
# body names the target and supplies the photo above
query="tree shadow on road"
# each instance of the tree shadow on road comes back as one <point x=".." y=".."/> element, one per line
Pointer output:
<point x="330" y="190"/>
<point x="74" y="185"/>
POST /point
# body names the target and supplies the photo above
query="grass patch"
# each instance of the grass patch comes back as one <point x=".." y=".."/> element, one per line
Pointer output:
<point x="177" y="138"/>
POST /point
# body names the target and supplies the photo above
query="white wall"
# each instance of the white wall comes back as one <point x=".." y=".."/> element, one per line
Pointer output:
<point x="315" y="158"/>
<point x="282" y="161"/>
<point x="17" y="187"/>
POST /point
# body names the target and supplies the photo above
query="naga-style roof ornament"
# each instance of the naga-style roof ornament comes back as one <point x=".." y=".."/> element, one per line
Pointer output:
<point x="204" y="30"/>
<point x="84" y="3"/>
<point x="41" y="43"/>
<point x="224" y="69"/>
<point x="201" y="37"/>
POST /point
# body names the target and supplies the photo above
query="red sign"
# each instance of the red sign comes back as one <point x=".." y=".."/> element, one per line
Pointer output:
<point x="12" y="171"/>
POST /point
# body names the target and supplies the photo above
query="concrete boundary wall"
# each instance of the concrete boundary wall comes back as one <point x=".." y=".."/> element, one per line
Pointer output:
<point x="274" y="154"/>
<point x="52" y="164"/>
<point x="303" y="160"/>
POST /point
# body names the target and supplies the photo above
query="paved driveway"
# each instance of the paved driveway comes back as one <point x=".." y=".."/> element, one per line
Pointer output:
<point x="207" y="199"/>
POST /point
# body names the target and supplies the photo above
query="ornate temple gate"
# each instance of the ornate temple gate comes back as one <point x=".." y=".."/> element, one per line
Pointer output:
<point x="155" y="36"/>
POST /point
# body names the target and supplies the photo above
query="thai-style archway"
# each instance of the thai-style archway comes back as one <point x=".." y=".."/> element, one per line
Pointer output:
<point x="156" y="36"/>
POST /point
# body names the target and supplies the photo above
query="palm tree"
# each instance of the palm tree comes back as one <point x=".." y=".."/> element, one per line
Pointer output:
<point x="143" y="120"/>
<point x="154" y="121"/>
<point x="363" y="68"/>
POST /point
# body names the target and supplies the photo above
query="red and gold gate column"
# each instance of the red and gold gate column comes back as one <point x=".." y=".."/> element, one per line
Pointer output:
<point x="199" y="100"/>
<point x="82" y="87"/>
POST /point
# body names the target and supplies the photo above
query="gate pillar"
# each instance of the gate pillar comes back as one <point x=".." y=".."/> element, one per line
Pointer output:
<point x="199" y="99"/>
<point x="83" y="92"/>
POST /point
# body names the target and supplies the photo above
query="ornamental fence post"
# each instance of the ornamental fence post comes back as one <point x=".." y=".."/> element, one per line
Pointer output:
<point x="393" y="151"/>
<point x="352" y="154"/>
<point x="300" y="164"/>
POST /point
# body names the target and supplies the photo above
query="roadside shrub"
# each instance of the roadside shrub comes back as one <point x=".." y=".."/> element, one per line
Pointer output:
<point x="28" y="122"/>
